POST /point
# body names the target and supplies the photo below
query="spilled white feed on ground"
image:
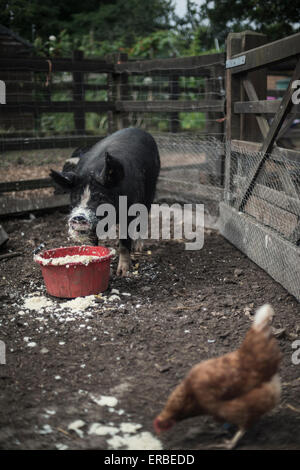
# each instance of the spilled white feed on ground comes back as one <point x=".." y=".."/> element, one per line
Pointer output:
<point x="37" y="303"/>
<point x="129" y="428"/>
<point x="50" y="412"/>
<point x="99" y="429"/>
<point x="115" y="291"/>
<point x="79" y="304"/>
<point x="76" y="427"/>
<point x="46" y="429"/>
<point x="105" y="400"/>
<point x="114" y="297"/>
<point x="60" y="446"/>
<point x="142" y="441"/>
<point x="69" y="310"/>
<point x="124" y="436"/>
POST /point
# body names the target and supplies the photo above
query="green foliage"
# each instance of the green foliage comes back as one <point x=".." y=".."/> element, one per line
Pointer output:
<point x="124" y="21"/>
<point x="64" y="44"/>
<point x="148" y="28"/>
<point x="275" y="18"/>
<point x="32" y="18"/>
<point x="159" y="45"/>
<point x="108" y="20"/>
<point x="192" y="121"/>
<point x="61" y="45"/>
<point x="55" y="124"/>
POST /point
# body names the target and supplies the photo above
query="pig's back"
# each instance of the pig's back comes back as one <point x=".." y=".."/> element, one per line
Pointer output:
<point x="137" y="151"/>
<point x="134" y="148"/>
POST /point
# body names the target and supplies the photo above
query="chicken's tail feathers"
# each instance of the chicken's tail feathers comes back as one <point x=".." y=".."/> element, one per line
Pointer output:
<point x="263" y="317"/>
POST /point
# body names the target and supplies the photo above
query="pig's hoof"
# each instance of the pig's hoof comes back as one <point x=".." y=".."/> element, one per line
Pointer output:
<point x="123" y="269"/>
<point x="139" y="245"/>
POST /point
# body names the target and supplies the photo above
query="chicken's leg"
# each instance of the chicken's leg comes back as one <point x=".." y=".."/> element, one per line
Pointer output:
<point x="229" y="443"/>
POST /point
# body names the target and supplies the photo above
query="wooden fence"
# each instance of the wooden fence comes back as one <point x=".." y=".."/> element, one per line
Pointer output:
<point x="119" y="105"/>
<point x="261" y="220"/>
<point x="117" y="69"/>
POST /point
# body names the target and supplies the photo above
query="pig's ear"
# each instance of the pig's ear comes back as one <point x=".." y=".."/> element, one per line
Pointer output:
<point x="112" y="173"/>
<point x="65" y="179"/>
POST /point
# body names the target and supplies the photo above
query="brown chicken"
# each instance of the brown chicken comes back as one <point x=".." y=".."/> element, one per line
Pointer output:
<point x="237" y="388"/>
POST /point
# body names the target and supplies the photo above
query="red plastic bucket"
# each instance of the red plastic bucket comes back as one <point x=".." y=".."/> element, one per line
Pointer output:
<point x="76" y="279"/>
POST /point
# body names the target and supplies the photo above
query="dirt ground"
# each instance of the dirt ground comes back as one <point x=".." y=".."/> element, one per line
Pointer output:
<point x="116" y="362"/>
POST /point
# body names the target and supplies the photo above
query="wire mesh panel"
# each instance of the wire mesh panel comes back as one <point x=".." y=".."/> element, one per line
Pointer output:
<point x="192" y="171"/>
<point x="181" y="102"/>
<point x="273" y="199"/>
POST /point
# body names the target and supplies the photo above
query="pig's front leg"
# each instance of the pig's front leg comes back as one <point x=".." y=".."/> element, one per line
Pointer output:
<point x="124" y="257"/>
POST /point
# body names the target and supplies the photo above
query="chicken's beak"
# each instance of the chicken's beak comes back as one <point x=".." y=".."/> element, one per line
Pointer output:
<point x="162" y="425"/>
<point x="156" y="426"/>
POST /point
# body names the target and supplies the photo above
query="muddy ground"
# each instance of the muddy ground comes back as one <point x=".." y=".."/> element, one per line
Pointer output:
<point x="185" y="306"/>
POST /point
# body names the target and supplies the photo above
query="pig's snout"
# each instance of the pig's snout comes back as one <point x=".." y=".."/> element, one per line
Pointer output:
<point x="79" y="219"/>
<point x="80" y="222"/>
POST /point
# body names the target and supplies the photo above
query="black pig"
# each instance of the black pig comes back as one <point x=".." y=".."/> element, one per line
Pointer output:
<point x="125" y="163"/>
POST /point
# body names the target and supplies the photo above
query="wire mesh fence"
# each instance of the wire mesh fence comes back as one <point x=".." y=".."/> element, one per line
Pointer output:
<point x="272" y="196"/>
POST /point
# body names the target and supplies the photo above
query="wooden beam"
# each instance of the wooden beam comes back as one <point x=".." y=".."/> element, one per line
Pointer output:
<point x="142" y="88"/>
<point x="287" y="124"/>
<point x="233" y="94"/>
<point x="295" y="235"/>
<point x="270" y="53"/>
<point x="167" y="106"/>
<point x="174" y="65"/>
<point x="78" y="96"/>
<point x="284" y="109"/>
<point x="261" y="120"/>
<point x="277" y="198"/>
<point x="174" y="121"/>
<point x="63" y="86"/>
<point x="24" y="185"/>
<point x="214" y="88"/>
<point x="32" y="143"/>
<point x="194" y="190"/>
<point x="271" y="216"/>
<point x="122" y="93"/>
<point x="38" y="64"/>
<point x="9" y="206"/>
<point x="60" y="106"/>
<point x="117" y="91"/>
<point x="262" y="107"/>
<point x="10" y="255"/>
<point x="275" y="93"/>
<point x="278" y="154"/>
<point x="3" y="236"/>
<point x="277" y="256"/>
<point x="250" y="127"/>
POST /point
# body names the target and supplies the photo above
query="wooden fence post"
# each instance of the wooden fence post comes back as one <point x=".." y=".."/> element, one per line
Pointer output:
<point x="239" y="126"/>
<point x="213" y="90"/>
<point x="78" y="95"/>
<point x="174" y="95"/>
<point x="233" y="93"/>
<point x="249" y="127"/>
<point x="117" y="91"/>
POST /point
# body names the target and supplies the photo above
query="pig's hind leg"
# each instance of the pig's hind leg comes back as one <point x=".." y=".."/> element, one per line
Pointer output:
<point x="124" y="257"/>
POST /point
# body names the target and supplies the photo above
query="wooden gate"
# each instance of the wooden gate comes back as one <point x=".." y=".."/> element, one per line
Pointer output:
<point x="260" y="213"/>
